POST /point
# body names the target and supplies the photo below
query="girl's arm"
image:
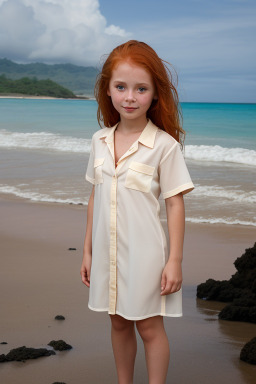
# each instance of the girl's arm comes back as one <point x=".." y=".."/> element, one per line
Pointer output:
<point x="172" y="274"/>
<point x="85" y="270"/>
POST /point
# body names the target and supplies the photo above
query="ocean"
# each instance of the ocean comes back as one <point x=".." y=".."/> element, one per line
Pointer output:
<point x="45" y="144"/>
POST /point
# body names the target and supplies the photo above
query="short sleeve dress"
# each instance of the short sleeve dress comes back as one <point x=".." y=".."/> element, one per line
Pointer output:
<point x="129" y="248"/>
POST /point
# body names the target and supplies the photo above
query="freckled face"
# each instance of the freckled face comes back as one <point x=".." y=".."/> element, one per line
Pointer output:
<point x="131" y="90"/>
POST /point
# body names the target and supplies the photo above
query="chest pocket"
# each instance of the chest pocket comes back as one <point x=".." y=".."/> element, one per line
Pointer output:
<point x="98" y="163"/>
<point x="139" y="176"/>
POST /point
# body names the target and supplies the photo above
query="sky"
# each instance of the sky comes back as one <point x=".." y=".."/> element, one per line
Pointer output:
<point x="210" y="43"/>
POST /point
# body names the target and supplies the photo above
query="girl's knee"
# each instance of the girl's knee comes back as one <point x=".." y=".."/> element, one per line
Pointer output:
<point x="120" y="324"/>
<point x="150" y="328"/>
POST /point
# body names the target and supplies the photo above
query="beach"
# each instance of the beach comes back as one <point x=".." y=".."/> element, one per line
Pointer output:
<point x="39" y="279"/>
<point x="44" y="151"/>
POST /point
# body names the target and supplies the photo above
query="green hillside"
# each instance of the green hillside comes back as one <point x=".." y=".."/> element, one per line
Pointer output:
<point x="33" y="87"/>
<point x="79" y="79"/>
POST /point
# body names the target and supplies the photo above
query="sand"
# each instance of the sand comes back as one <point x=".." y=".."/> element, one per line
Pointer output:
<point x="39" y="279"/>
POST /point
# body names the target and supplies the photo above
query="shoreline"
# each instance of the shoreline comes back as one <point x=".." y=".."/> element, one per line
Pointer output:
<point x="224" y="224"/>
<point x="85" y="97"/>
<point x="31" y="97"/>
<point x="39" y="279"/>
<point x="200" y="234"/>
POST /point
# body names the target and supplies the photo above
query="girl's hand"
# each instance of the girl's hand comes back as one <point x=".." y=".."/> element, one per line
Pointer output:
<point x="171" y="277"/>
<point x="85" y="270"/>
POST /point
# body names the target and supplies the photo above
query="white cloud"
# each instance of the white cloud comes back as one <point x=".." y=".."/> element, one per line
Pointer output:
<point x="56" y="31"/>
<point x="114" y="30"/>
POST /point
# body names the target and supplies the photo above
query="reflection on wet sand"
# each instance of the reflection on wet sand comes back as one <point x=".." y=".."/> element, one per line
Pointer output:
<point x="232" y="335"/>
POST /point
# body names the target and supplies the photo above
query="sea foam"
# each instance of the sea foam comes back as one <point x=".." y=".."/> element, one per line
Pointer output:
<point x="34" y="196"/>
<point x="220" y="220"/>
<point x="57" y="142"/>
<point x="227" y="193"/>
<point x="217" y="153"/>
<point x="44" y="141"/>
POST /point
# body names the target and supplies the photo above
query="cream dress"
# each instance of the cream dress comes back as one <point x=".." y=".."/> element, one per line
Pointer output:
<point x="129" y="249"/>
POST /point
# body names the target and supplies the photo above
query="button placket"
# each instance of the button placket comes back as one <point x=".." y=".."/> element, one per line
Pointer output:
<point x="113" y="249"/>
<point x="113" y="227"/>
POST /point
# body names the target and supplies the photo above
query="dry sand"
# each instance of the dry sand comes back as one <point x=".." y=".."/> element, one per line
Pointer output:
<point x="39" y="279"/>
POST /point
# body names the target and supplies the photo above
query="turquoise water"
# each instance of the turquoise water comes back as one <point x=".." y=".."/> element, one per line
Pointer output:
<point x="45" y="144"/>
<point x="75" y="118"/>
<point x="229" y="125"/>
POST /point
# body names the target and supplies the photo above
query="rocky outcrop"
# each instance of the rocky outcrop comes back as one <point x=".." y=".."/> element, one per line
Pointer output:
<point x="24" y="353"/>
<point x="248" y="352"/>
<point x="239" y="291"/>
<point x="59" y="345"/>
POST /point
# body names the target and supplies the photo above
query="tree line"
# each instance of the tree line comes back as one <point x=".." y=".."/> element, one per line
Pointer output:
<point x="33" y="87"/>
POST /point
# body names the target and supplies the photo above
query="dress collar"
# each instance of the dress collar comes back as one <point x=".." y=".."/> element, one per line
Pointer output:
<point x="147" y="136"/>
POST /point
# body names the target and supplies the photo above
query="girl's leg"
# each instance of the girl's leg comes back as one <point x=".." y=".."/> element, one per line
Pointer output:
<point x="156" y="346"/>
<point x="124" y="347"/>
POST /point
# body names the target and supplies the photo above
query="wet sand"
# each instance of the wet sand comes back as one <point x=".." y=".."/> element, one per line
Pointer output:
<point x="39" y="279"/>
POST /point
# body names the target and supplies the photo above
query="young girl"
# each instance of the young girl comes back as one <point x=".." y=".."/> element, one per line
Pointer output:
<point x="133" y="159"/>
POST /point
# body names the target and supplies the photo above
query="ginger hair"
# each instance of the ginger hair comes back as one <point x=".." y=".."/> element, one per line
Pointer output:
<point x="164" y="112"/>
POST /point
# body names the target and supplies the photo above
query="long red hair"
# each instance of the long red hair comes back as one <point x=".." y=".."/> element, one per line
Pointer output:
<point x="164" y="112"/>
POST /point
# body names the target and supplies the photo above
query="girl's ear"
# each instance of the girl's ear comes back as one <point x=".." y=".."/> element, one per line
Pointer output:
<point x="108" y="93"/>
<point x="155" y="97"/>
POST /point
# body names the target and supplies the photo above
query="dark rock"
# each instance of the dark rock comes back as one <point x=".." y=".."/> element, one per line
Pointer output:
<point x="59" y="345"/>
<point x="72" y="249"/>
<point x="244" y="302"/>
<point x="247" y="261"/>
<point x="24" y="353"/>
<point x="59" y="317"/>
<point x="3" y="359"/>
<point x="248" y="352"/>
<point x="238" y="313"/>
<point x="3" y="342"/>
<point x="239" y="291"/>
<point x="58" y="382"/>
<point x="244" y="279"/>
<point x="217" y="290"/>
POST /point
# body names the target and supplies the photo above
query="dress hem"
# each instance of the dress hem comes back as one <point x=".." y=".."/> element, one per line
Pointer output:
<point x="136" y="318"/>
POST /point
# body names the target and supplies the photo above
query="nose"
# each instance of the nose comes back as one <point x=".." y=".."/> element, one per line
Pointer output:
<point x="130" y="97"/>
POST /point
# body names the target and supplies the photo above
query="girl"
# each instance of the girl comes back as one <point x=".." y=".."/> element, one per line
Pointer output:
<point x="133" y="159"/>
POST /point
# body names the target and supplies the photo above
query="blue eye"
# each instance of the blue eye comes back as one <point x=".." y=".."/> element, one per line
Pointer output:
<point x="120" y="87"/>
<point x="141" y="89"/>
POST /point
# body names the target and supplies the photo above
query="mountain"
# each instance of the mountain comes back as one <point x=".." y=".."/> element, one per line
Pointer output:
<point x="35" y="87"/>
<point x="79" y="79"/>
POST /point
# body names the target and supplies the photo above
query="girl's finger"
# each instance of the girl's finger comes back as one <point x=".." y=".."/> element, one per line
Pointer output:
<point x="163" y="282"/>
<point x="167" y="289"/>
<point x="175" y="287"/>
<point x="86" y="281"/>
<point x="85" y="277"/>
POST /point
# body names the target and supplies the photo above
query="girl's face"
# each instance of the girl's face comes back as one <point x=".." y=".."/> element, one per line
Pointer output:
<point x="131" y="90"/>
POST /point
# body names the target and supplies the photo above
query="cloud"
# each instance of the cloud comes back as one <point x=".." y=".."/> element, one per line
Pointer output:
<point x="56" y="31"/>
<point x="214" y="55"/>
<point x="196" y="45"/>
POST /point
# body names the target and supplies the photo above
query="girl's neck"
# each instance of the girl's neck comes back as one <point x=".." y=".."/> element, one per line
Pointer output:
<point x="132" y="126"/>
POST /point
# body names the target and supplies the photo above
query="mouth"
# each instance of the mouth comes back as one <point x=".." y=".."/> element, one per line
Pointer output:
<point x="129" y="109"/>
